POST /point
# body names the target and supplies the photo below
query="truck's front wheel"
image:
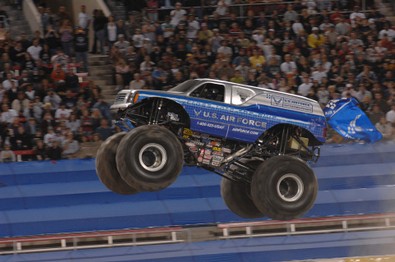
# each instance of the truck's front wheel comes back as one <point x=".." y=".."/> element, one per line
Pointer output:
<point x="150" y="158"/>
<point x="284" y="187"/>
<point x="106" y="167"/>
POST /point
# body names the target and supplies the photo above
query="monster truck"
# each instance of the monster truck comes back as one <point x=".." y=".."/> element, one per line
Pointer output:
<point x="259" y="140"/>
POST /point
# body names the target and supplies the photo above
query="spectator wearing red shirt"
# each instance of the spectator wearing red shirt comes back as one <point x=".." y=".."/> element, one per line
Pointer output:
<point x="58" y="74"/>
<point x="152" y="10"/>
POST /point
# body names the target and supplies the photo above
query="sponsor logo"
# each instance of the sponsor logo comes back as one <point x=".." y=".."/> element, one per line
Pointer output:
<point x="353" y="128"/>
<point x="289" y="102"/>
<point x="227" y="119"/>
<point x="244" y="131"/>
<point x="206" y="161"/>
<point x="226" y="150"/>
<point x="211" y="125"/>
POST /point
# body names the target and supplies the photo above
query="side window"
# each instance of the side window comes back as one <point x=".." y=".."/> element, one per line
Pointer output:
<point x="198" y="91"/>
<point x="241" y="94"/>
<point x="210" y="91"/>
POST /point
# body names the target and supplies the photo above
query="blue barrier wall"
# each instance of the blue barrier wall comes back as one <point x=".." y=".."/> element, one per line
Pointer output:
<point x="66" y="196"/>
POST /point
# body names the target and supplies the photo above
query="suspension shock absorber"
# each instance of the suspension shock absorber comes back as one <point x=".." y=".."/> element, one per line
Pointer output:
<point x="155" y="112"/>
<point x="284" y="140"/>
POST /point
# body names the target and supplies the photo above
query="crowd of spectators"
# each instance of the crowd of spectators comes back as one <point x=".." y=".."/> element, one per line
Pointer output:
<point x="48" y="112"/>
<point x="319" y="49"/>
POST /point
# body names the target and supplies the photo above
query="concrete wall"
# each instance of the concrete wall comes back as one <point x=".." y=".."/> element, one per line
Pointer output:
<point x="32" y="16"/>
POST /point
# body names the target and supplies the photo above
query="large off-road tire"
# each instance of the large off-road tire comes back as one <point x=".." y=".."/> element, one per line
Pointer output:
<point x="106" y="166"/>
<point x="149" y="158"/>
<point x="237" y="195"/>
<point x="284" y="187"/>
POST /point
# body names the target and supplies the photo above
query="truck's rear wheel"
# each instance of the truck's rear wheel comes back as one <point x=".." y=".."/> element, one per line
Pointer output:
<point x="284" y="187"/>
<point x="150" y="158"/>
<point x="106" y="166"/>
<point x="237" y="195"/>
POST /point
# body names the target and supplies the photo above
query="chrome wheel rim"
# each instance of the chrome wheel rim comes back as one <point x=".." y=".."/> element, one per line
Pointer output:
<point x="290" y="188"/>
<point x="153" y="157"/>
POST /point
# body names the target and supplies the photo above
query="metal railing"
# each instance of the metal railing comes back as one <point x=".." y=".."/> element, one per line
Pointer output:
<point x="306" y="226"/>
<point x="173" y="235"/>
<point x="100" y="239"/>
<point x="240" y="9"/>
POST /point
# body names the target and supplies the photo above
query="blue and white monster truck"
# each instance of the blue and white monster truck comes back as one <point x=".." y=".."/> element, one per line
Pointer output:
<point x="258" y="140"/>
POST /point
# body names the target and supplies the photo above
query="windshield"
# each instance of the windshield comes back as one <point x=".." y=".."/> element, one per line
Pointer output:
<point x="184" y="86"/>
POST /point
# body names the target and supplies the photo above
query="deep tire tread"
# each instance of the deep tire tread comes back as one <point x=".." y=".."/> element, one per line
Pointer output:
<point x="237" y="196"/>
<point x="106" y="167"/>
<point x="264" y="193"/>
<point x="130" y="171"/>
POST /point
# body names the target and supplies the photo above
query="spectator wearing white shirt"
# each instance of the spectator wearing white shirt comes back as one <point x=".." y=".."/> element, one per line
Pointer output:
<point x="305" y="87"/>
<point x="311" y="6"/>
<point x="20" y="103"/>
<point x="167" y="27"/>
<point x="216" y="41"/>
<point x="385" y="128"/>
<point x="111" y="31"/>
<point x="224" y="49"/>
<point x="354" y="41"/>
<point x="290" y="15"/>
<point x="137" y="82"/>
<point x="7" y="155"/>
<point x="84" y="18"/>
<point x="326" y="64"/>
<point x="73" y="123"/>
<point x="147" y="65"/>
<point x="34" y="50"/>
<point x="193" y="27"/>
<point x="8" y="115"/>
<point x="325" y="25"/>
<point x="390" y="115"/>
<point x="60" y="58"/>
<point x="122" y="44"/>
<point x="138" y="39"/>
<point x="222" y="7"/>
<point x="323" y="95"/>
<point x="332" y="36"/>
<point x="342" y="27"/>
<point x="288" y="67"/>
<point x="387" y="31"/>
<point x="177" y="14"/>
<point x="10" y="82"/>
<point x="356" y="16"/>
<point x="258" y="36"/>
<point x="50" y="137"/>
<point x="319" y="73"/>
<point x="70" y="146"/>
<point x="53" y="99"/>
<point x="297" y="27"/>
<point x="62" y="113"/>
<point x="349" y="91"/>
<point x="363" y="94"/>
